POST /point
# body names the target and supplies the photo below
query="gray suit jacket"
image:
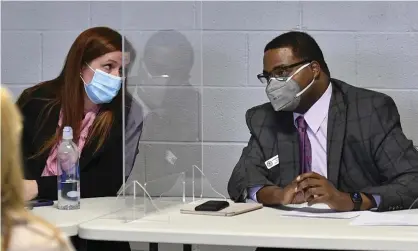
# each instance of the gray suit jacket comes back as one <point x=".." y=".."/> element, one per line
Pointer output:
<point x="366" y="149"/>
<point x="134" y="122"/>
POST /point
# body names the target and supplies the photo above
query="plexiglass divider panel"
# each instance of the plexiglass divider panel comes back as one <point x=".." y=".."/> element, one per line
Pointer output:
<point x="163" y="147"/>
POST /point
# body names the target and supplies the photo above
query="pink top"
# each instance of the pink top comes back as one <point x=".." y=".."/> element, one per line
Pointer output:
<point x="51" y="163"/>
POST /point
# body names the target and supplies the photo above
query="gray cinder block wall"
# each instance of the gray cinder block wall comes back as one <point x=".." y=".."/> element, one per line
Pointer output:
<point x="367" y="44"/>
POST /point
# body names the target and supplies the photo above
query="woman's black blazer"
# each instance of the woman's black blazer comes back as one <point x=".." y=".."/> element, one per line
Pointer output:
<point x="100" y="171"/>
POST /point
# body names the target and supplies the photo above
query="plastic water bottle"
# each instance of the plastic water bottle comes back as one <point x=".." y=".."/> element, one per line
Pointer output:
<point x="68" y="172"/>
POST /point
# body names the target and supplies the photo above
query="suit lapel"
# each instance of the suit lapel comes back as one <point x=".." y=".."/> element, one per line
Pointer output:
<point x="89" y="151"/>
<point x="288" y="148"/>
<point x="337" y="121"/>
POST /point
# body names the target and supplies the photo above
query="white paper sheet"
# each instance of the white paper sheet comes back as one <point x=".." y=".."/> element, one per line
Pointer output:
<point x="385" y="219"/>
<point x="316" y="211"/>
<point x="329" y="215"/>
<point x="304" y="206"/>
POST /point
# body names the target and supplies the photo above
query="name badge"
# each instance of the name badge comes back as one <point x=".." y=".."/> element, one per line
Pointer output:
<point x="272" y="162"/>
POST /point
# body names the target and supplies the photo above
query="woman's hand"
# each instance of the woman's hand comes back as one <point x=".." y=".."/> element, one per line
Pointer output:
<point x="30" y="189"/>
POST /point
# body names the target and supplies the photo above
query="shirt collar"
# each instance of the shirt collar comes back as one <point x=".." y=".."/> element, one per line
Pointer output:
<point x="318" y="112"/>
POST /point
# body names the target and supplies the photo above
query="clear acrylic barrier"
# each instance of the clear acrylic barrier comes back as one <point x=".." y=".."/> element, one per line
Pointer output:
<point x="136" y="206"/>
<point x="149" y="201"/>
<point x="163" y="114"/>
<point x="202" y="188"/>
<point x="167" y="191"/>
<point x="164" y="84"/>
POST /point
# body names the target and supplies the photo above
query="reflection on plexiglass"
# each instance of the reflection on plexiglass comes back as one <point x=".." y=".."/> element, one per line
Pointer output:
<point x="164" y="83"/>
<point x="165" y="169"/>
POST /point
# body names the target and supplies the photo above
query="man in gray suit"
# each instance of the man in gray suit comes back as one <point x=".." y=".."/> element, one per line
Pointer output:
<point x="321" y="140"/>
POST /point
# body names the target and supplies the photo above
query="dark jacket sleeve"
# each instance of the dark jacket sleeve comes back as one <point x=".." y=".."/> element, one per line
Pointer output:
<point x="250" y="170"/>
<point x="32" y="168"/>
<point x="47" y="187"/>
<point x="395" y="157"/>
<point x="24" y="103"/>
<point x="27" y="138"/>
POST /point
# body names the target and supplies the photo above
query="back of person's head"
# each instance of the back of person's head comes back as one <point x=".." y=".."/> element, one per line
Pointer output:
<point x="11" y="173"/>
<point x="12" y="202"/>
<point x="303" y="47"/>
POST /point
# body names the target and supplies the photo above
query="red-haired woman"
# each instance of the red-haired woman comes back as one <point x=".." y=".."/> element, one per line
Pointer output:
<point x="87" y="96"/>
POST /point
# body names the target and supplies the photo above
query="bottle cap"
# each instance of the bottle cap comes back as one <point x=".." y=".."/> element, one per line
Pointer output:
<point x="67" y="132"/>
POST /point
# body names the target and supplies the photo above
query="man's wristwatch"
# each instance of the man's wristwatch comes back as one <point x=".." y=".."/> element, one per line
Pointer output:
<point x="357" y="200"/>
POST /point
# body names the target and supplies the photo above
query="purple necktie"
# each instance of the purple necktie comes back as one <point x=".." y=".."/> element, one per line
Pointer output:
<point x="304" y="145"/>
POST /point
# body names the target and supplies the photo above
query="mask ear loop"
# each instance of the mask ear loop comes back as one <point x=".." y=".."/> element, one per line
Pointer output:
<point x="82" y="77"/>
<point x="306" y="88"/>
<point x="297" y="71"/>
<point x="90" y="67"/>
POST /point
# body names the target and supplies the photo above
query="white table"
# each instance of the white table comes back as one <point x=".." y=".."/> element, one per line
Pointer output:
<point x="265" y="227"/>
<point x="68" y="221"/>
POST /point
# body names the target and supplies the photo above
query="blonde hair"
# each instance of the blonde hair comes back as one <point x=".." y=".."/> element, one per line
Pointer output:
<point x="12" y="202"/>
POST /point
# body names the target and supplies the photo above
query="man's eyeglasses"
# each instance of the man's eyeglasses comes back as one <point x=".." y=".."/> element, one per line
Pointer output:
<point x="279" y="72"/>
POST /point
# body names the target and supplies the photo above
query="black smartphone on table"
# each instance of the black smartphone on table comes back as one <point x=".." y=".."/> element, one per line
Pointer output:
<point x="39" y="203"/>
<point x="212" y="206"/>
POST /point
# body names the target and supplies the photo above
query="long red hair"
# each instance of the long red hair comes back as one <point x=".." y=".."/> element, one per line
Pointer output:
<point x="69" y="91"/>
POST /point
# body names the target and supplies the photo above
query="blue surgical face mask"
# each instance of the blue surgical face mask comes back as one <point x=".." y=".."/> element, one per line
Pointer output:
<point x="103" y="87"/>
